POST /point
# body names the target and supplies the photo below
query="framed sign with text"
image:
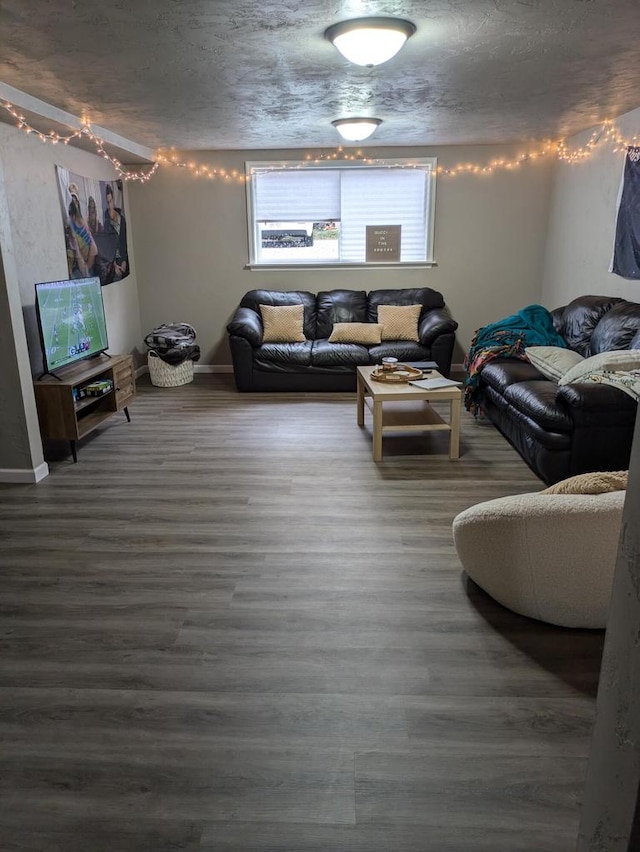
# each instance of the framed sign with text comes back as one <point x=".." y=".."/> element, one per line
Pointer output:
<point x="383" y="243"/>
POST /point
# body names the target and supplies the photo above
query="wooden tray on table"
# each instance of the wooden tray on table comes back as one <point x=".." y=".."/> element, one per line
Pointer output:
<point x="402" y="374"/>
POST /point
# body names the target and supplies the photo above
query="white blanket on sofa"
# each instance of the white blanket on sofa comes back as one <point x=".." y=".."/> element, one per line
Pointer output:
<point x="626" y="380"/>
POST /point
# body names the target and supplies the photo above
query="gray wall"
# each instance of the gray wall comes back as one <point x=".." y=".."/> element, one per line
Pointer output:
<point x="21" y="458"/>
<point x="191" y="244"/>
<point x="33" y="249"/>
<point x="582" y="225"/>
<point x="38" y="238"/>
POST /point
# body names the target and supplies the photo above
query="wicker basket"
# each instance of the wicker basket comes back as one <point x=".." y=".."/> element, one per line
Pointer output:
<point x="165" y="375"/>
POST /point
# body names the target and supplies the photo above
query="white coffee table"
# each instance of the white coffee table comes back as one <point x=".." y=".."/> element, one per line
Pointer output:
<point x="406" y="408"/>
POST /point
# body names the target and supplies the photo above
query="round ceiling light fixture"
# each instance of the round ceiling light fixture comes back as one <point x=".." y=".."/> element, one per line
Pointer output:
<point x="370" y="41"/>
<point x="356" y="129"/>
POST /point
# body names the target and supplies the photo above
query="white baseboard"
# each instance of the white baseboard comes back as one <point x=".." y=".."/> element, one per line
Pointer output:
<point x="197" y="368"/>
<point x="212" y="368"/>
<point x="24" y="477"/>
<point x="457" y="370"/>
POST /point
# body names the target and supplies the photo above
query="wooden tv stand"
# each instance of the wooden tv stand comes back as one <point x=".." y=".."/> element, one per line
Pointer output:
<point x="66" y="415"/>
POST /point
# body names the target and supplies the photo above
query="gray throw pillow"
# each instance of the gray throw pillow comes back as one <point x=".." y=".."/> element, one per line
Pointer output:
<point x="552" y="361"/>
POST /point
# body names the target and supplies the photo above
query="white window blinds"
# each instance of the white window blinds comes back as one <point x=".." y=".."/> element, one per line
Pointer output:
<point x="383" y="197"/>
<point x="354" y="195"/>
<point x="307" y="195"/>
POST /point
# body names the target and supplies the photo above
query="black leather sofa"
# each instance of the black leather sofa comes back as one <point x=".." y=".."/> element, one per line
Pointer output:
<point x="316" y="364"/>
<point x="564" y="430"/>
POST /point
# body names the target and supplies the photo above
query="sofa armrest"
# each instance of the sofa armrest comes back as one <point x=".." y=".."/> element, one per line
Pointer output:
<point x="594" y="403"/>
<point x="246" y="323"/>
<point x="434" y="323"/>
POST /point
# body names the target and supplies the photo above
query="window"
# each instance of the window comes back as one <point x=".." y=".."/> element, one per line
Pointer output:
<point x="353" y="213"/>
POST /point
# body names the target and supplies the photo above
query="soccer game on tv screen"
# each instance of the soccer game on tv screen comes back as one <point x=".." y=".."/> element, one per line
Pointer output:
<point x="72" y="320"/>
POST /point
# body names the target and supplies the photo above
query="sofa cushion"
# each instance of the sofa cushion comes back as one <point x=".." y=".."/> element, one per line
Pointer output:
<point x="502" y="372"/>
<point x="399" y="322"/>
<point x="617" y="328"/>
<point x="282" y="324"/>
<point x="537" y="400"/>
<point x="327" y="354"/>
<point x="254" y="298"/>
<point x="552" y="361"/>
<point x="366" y="333"/>
<point x="403" y="350"/>
<point x="623" y="359"/>
<point x="337" y="306"/>
<point x="283" y="354"/>
<point x="526" y="434"/>
<point x="424" y="296"/>
<point x="577" y="321"/>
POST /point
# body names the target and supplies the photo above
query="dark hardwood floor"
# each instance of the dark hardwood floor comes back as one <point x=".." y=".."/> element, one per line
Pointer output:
<point x="227" y="630"/>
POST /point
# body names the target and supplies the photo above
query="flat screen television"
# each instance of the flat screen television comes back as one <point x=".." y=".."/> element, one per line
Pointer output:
<point x="71" y="321"/>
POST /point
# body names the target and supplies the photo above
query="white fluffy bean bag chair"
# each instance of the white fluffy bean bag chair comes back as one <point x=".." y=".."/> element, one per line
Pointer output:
<point x="550" y="556"/>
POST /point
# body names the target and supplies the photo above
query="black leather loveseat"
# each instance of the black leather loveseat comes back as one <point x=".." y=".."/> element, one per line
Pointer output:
<point x="318" y="365"/>
<point x="562" y="430"/>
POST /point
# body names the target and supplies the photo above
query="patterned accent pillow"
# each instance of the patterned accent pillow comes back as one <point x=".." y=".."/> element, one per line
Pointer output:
<point x="283" y="323"/>
<point x="399" y="322"/>
<point x="552" y="361"/>
<point x="612" y="361"/>
<point x="367" y="333"/>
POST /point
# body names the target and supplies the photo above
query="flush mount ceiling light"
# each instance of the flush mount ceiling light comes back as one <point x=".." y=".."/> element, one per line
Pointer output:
<point x="356" y="129"/>
<point x="370" y="41"/>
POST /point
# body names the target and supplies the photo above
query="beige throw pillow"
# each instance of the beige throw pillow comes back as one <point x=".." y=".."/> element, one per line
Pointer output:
<point x="591" y="483"/>
<point x="616" y="359"/>
<point x="552" y="361"/>
<point x="399" y="322"/>
<point x="283" y="323"/>
<point x="367" y="333"/>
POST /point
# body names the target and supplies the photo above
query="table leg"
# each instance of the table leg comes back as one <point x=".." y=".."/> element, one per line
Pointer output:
<point x="360" y="400"/>
<point x="377" y="431"/>
<point x="454" y="422"/>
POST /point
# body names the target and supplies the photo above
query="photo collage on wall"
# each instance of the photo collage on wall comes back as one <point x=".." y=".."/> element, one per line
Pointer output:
<point x="95" y="227"/>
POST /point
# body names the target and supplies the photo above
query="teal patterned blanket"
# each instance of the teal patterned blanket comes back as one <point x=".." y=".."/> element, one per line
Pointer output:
<point x="507" y="338"/>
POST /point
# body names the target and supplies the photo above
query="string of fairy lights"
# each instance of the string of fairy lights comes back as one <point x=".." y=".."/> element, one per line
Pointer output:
<point x="55" y="138"/>
<point x="606" y="135"/>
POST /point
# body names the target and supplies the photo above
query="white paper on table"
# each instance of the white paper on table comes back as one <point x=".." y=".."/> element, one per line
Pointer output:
<point x="432" y="384"/>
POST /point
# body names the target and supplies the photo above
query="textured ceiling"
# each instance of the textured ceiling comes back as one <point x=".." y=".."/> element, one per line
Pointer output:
<point x="216" y="74"/>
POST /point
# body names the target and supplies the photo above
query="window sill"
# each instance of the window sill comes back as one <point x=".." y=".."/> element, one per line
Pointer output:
<point x="423" y="264"/>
